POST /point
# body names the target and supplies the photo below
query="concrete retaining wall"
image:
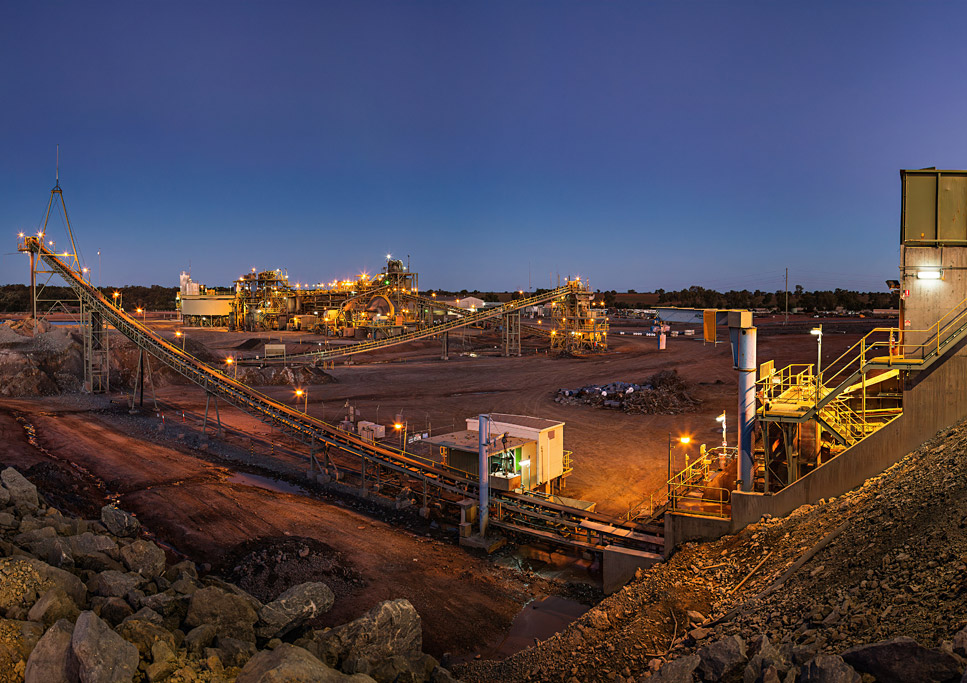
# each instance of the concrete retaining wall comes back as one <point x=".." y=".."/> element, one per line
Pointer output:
<point x="680" y="528"/>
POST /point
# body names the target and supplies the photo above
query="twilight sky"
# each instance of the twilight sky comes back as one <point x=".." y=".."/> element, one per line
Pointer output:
<point x="642" y="144"/>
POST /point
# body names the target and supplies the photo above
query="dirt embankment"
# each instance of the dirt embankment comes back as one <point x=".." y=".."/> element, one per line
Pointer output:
<point x="884" y="561"/>
<point x="47" y="361"/>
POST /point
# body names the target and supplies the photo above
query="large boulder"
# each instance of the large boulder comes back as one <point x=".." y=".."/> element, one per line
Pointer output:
<point x="232" y="615"/>
<point x="291" y="664"/>
<point x="53" y="606"/>
<point x="100" y="654"/>
<point x="51" y="661"/>
<point x="766" y="655"/>
<point x="119" y="522"/>
<point x="144" y="635"/>
<point x="23" y="580"/>
<point x="903" y="659"/>
<point x="829" y="669"/>
<point x="390" y="633"/>
<point x="293" y="608"/>
<point x="721" y="658"/>
<point x="677" y="671"/>
<point x="144" y="558"/>
<point x="23" y="494"/>
<point x="114" y="584"/>
<point x="89" y="543"/>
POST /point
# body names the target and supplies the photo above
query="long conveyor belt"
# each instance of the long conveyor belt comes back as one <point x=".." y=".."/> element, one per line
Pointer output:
<point x="521" y="513"/>
<point x="431" y="331"/>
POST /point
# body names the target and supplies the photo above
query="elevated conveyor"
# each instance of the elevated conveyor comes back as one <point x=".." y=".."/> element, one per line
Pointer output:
<point x="468" y="319"/>
<point x="522" y="514"/>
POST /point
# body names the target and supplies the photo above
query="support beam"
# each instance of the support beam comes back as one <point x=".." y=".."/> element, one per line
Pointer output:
<point x="483" y="426"/>
<point x="743" y="336"/>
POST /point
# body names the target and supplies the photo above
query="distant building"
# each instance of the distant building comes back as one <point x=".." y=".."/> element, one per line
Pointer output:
<point x="468" y="302"/>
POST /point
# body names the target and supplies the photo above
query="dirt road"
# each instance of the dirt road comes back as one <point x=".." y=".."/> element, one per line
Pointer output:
<point x="187" y="501"/>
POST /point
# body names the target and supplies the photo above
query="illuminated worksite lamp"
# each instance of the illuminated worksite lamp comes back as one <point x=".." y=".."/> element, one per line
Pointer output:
<point x="929" y="274"/>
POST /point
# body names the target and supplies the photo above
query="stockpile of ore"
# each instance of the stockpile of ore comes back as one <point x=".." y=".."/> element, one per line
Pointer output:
<point x="664" y="393"/>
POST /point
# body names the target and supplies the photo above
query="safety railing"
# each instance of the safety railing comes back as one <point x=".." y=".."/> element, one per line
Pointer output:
<point x="798" y="379"/>
<point x="568" y="463"/>
<point x="712" y="502"/>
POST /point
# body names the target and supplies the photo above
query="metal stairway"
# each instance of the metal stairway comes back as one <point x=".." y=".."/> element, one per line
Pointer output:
<point x="796" y="394"/>
<point x="520" y="513"/>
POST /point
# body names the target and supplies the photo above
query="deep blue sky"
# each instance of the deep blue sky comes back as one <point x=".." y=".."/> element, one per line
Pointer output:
<point x="643" y="144"/>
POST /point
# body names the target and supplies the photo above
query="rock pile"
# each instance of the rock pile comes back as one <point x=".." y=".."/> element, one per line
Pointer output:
<point x="92" y="601"/>
<point x="664" y="393"/>
<point x="43" y="365"/>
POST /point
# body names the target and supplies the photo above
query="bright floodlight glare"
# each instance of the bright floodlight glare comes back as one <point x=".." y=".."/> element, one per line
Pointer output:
<point x="720" y="418"/>
<point x="816" y="331"/>
<point x="229" y="361"/>
<point x="932" y="274"/>
<point x="685" y="439"/>
<point x="397" y="426"/>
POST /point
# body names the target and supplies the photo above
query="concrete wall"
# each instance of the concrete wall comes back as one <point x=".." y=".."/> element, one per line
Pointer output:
<point x="680" y="528"/>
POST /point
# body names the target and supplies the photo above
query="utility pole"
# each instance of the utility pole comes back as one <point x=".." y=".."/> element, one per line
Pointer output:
<point x="787" y="297"/>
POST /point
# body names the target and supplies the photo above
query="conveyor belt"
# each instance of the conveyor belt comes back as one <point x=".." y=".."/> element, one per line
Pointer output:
<point x="524" y="514"/>
<point x="469" y="318"/>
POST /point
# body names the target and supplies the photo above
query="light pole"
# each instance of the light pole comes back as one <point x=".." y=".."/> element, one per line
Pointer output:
<point x="118" y="303"/>
<point x="818" y="333"/>
<point x="141" y="311"/>
<point x="300" y="393"/>
<point x="182" y="335"/>
<point x="682" y="440"/>
<point x="401" y="428"/>
<point x="721" y="418"/>
<point x="230" y="362"/>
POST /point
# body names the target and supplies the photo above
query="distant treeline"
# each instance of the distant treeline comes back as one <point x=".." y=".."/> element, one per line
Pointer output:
<point x="16" y="298"/>
<point x="821" y="300"/>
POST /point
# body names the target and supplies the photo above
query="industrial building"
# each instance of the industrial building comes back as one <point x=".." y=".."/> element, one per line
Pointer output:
<point x="526" y="455"/>
<point x="388" y="306"/>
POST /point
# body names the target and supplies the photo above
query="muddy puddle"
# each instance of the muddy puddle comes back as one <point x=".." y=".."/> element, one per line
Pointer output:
<point x="540" y="619"/>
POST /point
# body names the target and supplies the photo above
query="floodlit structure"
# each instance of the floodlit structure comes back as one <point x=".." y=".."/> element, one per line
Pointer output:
<point x="524" y="454"/>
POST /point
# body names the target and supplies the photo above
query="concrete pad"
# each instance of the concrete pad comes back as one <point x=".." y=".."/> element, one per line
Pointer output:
<point x="489" y="544"/>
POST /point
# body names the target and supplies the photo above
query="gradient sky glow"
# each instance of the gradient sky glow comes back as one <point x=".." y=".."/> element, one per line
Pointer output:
<point x="643" y="145"/>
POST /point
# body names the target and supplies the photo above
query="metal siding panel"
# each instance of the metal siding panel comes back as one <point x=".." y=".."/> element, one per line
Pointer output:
<point x="920" y="208"/>
<point x="952" y="226"/>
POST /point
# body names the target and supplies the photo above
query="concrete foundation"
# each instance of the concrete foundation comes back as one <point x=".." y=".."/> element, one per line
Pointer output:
<point x="620" y="564"/>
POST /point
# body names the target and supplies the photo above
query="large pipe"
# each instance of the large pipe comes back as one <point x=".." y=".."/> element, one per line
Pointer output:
<point x="746" y="367"/>
<point x="483" y="428"/>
